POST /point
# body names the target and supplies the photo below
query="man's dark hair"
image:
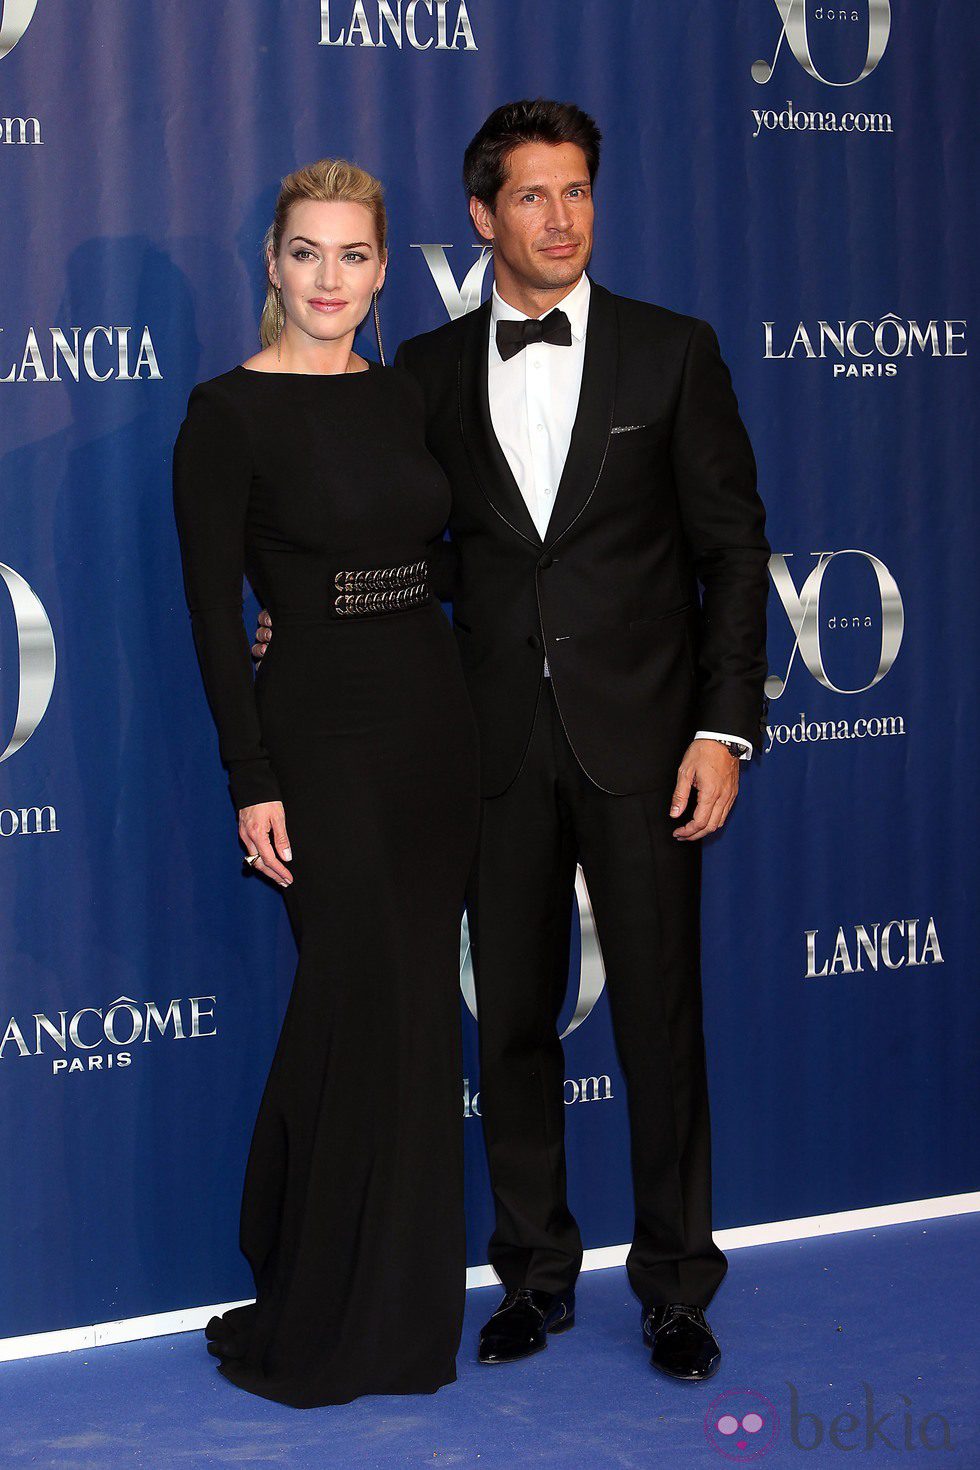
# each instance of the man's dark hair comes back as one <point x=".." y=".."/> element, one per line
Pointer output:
<point x="540" y="121"/>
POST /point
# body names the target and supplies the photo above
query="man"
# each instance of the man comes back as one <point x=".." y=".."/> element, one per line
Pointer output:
<point x="601" y="476"/>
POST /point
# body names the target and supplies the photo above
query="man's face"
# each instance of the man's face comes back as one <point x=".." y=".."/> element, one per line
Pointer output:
<point x="542" y="220"/>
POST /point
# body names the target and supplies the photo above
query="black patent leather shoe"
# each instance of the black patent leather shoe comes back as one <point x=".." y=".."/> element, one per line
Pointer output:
<point x="681" y="1342"/>
<point x="521" y="1324"/>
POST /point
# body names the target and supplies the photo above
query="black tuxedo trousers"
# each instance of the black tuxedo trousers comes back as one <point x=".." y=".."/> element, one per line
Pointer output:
<point x="644" y="886"/>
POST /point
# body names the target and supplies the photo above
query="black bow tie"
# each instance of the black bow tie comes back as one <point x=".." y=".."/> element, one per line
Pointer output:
<point x="513" y="337"/>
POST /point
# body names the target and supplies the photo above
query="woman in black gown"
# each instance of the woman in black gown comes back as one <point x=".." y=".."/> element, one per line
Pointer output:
<point x="306" y="468"/>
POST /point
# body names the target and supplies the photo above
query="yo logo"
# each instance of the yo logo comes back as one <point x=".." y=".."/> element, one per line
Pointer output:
<point x="592" y="971"/>
<point x="35" y="659"/>
<point x="793" y="15"/>
<point x="15" y="17"/>
<point x="803" y="610"/>
<point x="742" y="1425"/>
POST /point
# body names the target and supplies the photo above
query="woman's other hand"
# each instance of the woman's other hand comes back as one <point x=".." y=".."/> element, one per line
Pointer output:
<point x="263" y="634"/>
<point x="262" y="828"/>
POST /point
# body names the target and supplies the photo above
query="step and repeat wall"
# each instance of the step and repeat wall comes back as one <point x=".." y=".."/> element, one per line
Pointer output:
<point x="801" y="175"/>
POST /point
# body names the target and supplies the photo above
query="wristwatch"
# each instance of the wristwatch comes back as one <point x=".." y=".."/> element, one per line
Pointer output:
<point x="735" y="750"/>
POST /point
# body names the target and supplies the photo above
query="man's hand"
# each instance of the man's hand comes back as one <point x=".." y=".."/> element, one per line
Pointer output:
<point x="713" y="772"/>
<point x="255" y="823"/>
<point x="263" y="633"/>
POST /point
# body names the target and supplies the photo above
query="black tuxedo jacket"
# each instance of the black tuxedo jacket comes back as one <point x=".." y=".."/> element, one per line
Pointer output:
<point x="648" y="593"/>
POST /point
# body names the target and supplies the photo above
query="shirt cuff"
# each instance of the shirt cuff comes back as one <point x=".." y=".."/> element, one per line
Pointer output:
<point x="746" y="751"/>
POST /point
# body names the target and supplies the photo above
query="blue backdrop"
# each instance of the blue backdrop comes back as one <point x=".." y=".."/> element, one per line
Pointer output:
<point x="802" y="179"/>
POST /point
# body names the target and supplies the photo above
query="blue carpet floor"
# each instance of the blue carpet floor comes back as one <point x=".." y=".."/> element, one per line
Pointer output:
<point x="877" y="1325"/>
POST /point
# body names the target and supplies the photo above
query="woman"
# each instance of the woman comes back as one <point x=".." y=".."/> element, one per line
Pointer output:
<point x="352" y="764"/>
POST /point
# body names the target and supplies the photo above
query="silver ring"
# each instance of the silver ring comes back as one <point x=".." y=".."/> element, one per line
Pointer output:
<point x="252" y="858"/>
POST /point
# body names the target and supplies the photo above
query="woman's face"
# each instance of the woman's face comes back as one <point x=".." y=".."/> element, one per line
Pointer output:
<point x="328" y="268"/>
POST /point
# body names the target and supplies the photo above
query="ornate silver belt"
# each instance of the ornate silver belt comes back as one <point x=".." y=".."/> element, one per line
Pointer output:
<point x="373" y="590"/>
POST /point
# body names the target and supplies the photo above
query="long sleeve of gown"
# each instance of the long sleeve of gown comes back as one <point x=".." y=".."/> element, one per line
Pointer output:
<point x="212" y="473"/>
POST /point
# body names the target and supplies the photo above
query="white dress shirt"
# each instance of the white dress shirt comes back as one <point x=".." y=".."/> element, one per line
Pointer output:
<point x="534" y="399"/>
<point x="533" y="403"/>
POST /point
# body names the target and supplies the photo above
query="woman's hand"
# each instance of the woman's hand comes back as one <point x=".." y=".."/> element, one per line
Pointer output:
<point x="263" y="634"/>
<point x="254" y="826"/>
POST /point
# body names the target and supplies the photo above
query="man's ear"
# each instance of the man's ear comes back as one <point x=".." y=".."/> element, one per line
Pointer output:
<point x="482" y="218"/>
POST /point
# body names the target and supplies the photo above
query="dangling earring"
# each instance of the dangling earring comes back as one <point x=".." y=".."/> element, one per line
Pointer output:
<point x="280" y="323"/>
<point x="377" y="331"/>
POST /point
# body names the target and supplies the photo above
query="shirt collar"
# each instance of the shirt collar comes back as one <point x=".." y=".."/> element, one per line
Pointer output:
<point x="575" y="306"/>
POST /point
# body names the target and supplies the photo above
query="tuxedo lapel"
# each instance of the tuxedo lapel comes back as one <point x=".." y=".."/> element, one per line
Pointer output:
<point x="488" y="460"/>
<point x="593" y="421"/>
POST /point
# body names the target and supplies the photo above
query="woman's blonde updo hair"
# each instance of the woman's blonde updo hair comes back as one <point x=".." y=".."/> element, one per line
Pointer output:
<point x="329" y="181"/>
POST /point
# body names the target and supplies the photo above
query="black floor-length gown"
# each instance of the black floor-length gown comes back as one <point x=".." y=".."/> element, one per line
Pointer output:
<point x="322" y="490"/>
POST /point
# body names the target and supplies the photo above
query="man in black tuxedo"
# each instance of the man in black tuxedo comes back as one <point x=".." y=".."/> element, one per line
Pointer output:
<point x="608" y="574"/>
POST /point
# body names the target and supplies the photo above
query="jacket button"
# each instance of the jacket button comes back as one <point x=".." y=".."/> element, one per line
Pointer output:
<point x="546" y="562"/>
<point x="534" y="641"/>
